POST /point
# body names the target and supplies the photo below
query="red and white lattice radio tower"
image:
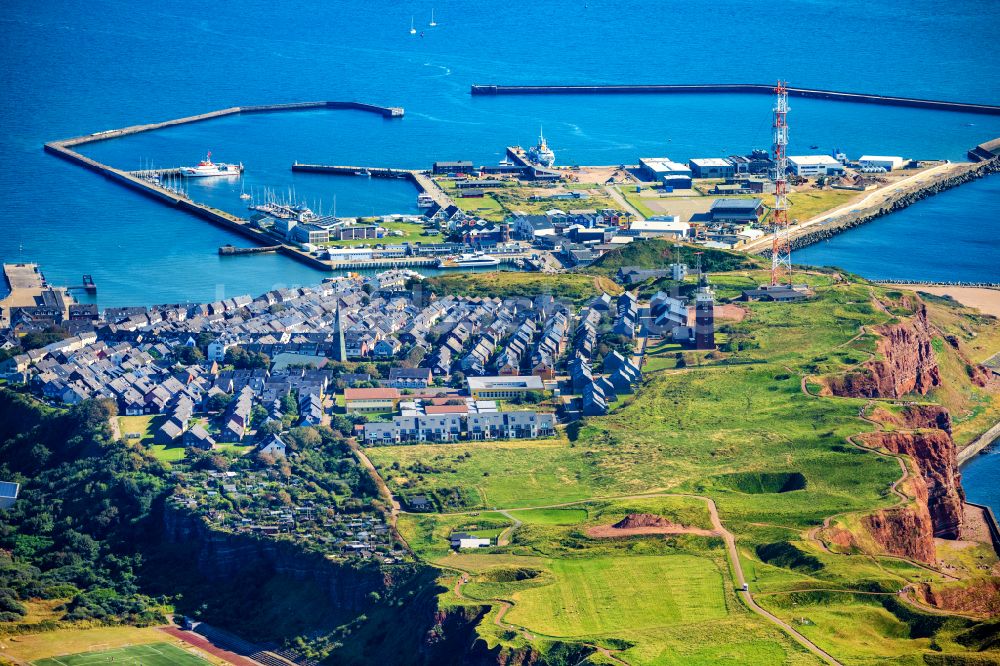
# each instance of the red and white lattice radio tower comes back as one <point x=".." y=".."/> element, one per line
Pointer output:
<point x="781" y="249"/>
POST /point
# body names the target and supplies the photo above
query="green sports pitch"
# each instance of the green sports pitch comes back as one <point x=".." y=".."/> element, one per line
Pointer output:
<point x="154" y="654"/>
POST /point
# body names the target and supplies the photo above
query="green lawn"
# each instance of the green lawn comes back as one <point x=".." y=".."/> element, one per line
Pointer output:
<point x="807" y="204"/>
<point x="412" y="233"/>
<point x="154" y="654"/>
<point x="646" y="592"/>
<point x="485" y="207"/>
<point x="551" y="516"/>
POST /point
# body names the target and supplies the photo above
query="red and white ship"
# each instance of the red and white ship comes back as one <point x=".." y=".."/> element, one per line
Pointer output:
<point x="209" y="168"/>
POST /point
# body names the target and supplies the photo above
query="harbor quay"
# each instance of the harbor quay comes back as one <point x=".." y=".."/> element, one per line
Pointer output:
<point x="530" y="213"/>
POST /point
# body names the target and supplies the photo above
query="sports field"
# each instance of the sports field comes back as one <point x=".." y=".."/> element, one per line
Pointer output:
<point x="153" y="654"/>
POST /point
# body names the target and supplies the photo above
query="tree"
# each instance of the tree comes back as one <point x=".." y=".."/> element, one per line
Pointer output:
<point x="39" y="339"/>
<point x="188" y="355"/>
<point x="218" y="402"/>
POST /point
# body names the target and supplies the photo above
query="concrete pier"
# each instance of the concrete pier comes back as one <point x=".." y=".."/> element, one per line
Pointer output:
<point x="424" y="183"/>
<point x="733" y="88"/>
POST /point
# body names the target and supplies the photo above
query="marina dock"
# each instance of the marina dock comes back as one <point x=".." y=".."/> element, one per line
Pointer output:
<point x="64" y="149"/>
<point x="737" y="88"/>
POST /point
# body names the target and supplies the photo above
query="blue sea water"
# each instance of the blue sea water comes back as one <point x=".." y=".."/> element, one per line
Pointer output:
<point x="70" y="67"/>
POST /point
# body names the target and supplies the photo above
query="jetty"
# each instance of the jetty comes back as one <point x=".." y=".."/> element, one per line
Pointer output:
<point x="64" y="149"/>
<point x="231" y="250"/>
<point x="738" y="88"/>
<point x="420" y="179"/>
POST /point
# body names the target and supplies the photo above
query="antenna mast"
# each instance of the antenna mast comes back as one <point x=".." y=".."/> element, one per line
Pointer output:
<point x="781" y="249"/>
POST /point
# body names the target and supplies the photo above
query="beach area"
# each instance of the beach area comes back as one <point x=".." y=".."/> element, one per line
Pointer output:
<point x="984" y="299"/>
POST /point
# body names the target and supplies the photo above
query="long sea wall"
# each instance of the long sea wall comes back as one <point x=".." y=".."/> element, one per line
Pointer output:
<point x="736" y="88"/>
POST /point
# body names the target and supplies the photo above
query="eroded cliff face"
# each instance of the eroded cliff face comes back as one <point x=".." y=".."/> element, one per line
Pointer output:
<point x="980" y="596"/>
<point x="904" y="532"/>
<point x="906" y="363"/>
<point x="933" y="451"/>
<point x="222" y="556"/>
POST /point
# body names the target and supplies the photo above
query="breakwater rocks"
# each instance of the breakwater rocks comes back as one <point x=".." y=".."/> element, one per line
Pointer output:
<point x="852" y="219"/>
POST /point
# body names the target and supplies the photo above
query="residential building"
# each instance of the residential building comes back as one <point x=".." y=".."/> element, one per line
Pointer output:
<point x="370" y="400"/>
<point x="410" y="378"/>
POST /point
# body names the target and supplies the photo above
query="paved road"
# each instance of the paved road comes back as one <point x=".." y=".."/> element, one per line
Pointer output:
<point x="615" y="194"/>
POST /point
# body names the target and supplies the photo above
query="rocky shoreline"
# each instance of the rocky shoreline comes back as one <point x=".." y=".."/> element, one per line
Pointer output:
<point x="904" y="199"/>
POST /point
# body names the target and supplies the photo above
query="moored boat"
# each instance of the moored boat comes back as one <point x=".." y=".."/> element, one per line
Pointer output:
<point x="208" y="168"/>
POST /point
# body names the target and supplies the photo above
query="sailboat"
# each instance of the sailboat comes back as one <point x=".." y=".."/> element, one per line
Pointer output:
<point x="433" y="23"/>
<point x="413" y="30"/>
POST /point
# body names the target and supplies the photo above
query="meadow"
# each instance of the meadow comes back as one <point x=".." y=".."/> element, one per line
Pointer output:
<point x="777" y="462"/>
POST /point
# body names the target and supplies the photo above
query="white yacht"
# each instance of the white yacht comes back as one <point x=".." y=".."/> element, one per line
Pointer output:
<point x="474" y="260"/>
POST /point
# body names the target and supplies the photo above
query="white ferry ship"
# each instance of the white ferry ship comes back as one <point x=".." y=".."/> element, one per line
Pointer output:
<point x="542" y="154"/>
<point x="474" y="260"/>
<point x="207" y="168"/>
<point x="425" y="200"/>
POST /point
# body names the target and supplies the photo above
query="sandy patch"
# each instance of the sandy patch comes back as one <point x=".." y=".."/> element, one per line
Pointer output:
<point x="983" y="299"/>
<point x="610" y="531"/>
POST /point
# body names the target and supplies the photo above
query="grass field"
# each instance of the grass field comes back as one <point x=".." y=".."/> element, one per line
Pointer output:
<point x="152" y="654"/>
<point x="646" y="592"/>
<point x="551" y="516"/>
<point x="168" y="453"/>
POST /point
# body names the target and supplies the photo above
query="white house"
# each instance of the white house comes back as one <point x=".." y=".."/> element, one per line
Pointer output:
<point x="814" y="165"/>
<point x="217" y="349"/>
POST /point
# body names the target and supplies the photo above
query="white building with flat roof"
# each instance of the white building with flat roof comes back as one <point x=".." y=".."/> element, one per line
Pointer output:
<point x="886" y="162"/>
<point x="492" y="388"/>
<point x="661" y="225"/>
<point x="814" y="165"/>
<point x="666" y="171"/>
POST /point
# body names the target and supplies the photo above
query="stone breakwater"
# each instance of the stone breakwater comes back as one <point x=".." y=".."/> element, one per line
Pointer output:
<point x="903" y="199"/>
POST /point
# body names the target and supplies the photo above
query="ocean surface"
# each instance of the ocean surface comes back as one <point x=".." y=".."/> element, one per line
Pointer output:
<point x="69" y="67"/>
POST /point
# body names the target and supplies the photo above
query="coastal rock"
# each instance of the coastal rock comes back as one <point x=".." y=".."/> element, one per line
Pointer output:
<point x="906" y="363"/>
<point x="939" y="485"/>
<point x="914" y="417"/>
<point x="904" y="532"/>
<point x="978" y="596"/>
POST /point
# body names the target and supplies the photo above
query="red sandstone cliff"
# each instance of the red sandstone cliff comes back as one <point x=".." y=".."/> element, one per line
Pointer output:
<point x="906" y="362"/>
<point x="933" y="451"/>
